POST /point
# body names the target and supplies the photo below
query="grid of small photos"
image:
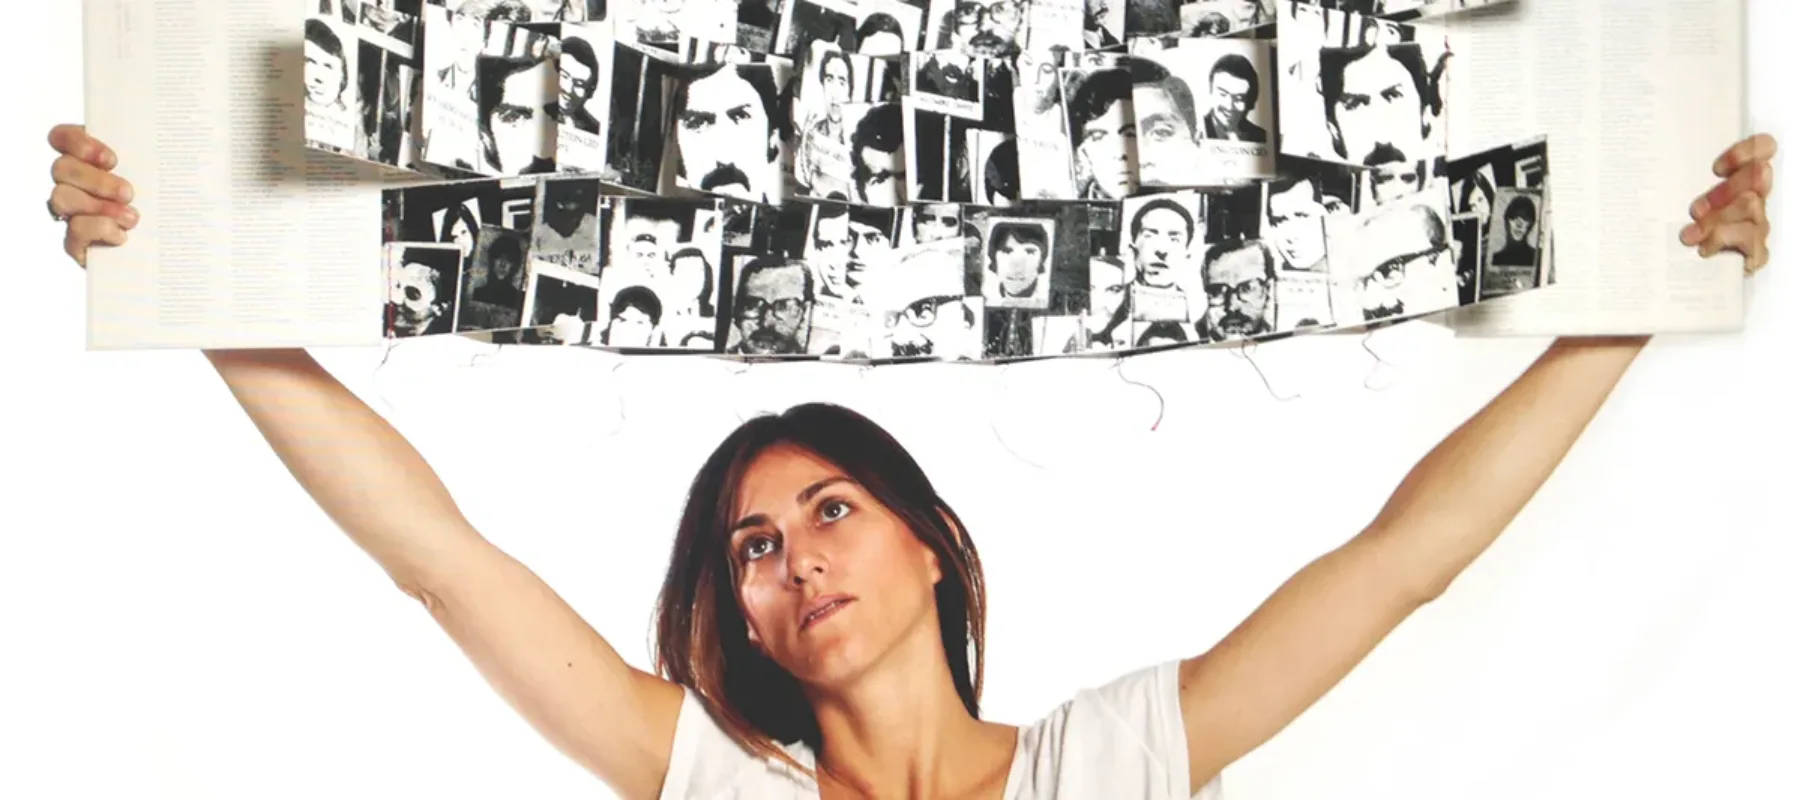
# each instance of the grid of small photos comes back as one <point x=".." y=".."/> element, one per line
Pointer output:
<point x="900" y="180"/>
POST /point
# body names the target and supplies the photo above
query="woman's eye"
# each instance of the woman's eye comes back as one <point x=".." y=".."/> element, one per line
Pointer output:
<point x="834" y="510"/>
<point x="757" y="548"/>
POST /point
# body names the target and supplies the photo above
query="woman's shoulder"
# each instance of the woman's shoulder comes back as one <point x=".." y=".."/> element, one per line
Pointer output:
<point x="1123" y="738"/>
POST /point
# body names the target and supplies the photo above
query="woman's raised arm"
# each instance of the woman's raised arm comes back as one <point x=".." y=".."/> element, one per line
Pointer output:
<point x="1325" y="619"/>
<point x="531" y="646"/>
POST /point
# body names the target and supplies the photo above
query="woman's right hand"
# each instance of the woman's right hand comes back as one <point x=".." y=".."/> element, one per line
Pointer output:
<point x="94" y="203"/>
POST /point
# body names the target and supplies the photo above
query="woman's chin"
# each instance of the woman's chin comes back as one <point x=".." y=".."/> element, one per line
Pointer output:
<point x="829" y="662"/>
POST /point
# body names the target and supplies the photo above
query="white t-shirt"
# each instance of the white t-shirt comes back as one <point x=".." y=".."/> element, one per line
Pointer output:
<point x="1124" y="740"/>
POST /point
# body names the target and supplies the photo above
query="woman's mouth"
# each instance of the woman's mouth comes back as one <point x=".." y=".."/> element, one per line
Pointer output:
<point x="823" y="608"/>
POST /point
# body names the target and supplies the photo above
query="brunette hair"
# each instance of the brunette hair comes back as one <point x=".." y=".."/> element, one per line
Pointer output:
<point x="702" y="639"/>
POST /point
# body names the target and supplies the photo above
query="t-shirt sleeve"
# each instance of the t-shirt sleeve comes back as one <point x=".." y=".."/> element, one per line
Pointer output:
<point x="1146" y="707"/>
<point x="704" y="760"/>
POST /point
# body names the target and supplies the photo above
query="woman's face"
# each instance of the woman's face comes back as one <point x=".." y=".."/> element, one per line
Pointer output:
<point x="463" y="236"/>
<point x="807" y="538"/>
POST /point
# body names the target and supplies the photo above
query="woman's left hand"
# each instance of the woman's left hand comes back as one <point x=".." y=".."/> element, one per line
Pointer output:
<point x="1734" y="214"/>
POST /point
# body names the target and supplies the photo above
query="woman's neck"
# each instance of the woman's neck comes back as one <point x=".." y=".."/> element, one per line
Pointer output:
<point x="902" y="731"/>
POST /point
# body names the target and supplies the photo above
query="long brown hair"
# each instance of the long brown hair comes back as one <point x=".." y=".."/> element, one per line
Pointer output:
<point x="702" y="639"/>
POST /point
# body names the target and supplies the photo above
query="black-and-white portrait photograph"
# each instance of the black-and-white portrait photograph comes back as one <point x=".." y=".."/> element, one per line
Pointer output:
<point x="1211" y="18"/>
<point x="1204" y="114"/>
<point x="948" y="82"/>
<point x="422" y="281"/>
<point x="631" y="319"/>
<point x="877" y="153"/>
<point x="988" y="28"/>
<point x="1102" y="132"/>
<point x="333" y="112"/>
<point x="1003" y="256"/>
<point x="771" y="307"/>
<point x="845" y="244"/>
<point x="921" y="306"/>
<point x="1160" y="236"/>
<point x="677" y="312"/>
<point x="1514" y="253"/>
<point x="662" y="23"/>
<point x="1008" y="332"/>
<point x="516" y="81"/>
<point x="1390" y="182"/>
<point x="827" y="82"/>
<point x="889" y="27"/>
<point x="1237" y="271"/>
<point x="644" y="238"/>
<point x="1105" y="322"/>
<point x="493" y="283"/>
<point x="804" y="22"/>
<point x="1295" y="207"/>
<point x="1238" y="277"/>
<point x="1506" y="189"/>
<point x="583" y="69"/>
<point x="1393" y="262"/>
<point x="933" y="222"/>
<point x="567" y="233"/>
<point x="727" y="131"/>
<point x="1040" y="127"/>
<point x="1296" y="204"/>
<point x="490" y="85"/>
<point x="1015" y="259"/>
<point x="1302" y="30"/>
<point x="1373" y="96"/>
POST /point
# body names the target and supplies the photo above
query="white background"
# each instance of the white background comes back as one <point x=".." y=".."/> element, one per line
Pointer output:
<point x="178" y="621"/>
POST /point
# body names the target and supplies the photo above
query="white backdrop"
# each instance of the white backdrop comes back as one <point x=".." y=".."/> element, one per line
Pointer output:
<point x="179" y="621"/>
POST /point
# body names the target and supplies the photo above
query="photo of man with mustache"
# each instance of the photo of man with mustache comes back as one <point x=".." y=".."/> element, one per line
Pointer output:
<point x="1382" y="103"/>
<point x="727" y="133"/>
<point x="1238" y="277"/>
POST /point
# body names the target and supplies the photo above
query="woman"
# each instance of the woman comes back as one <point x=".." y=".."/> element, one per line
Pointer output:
<point x="823" y="612"/>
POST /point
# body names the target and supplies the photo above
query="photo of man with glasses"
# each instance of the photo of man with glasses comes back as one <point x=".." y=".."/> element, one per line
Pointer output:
<point x="926" y="313"/>
<point x="1238" y="278"/>
<point x="1393" y="262"/>
<point x="772" y="307"/>
<point x="979" y="27"/>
